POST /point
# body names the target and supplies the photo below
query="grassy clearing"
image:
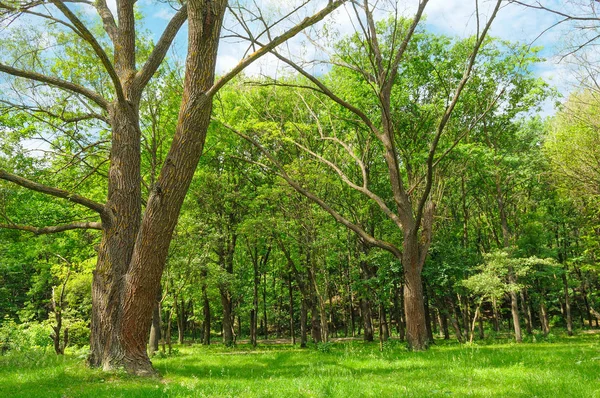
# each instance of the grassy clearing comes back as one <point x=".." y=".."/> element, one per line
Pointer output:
<point x="567" y="367"/>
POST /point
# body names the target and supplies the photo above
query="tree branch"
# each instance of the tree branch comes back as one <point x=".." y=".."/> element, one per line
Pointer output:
<point x="53" y="229"/>
<point x="56" y="82"/>
<point x="59" y="193"/>
<point x="337" y="216"/>
<point x="162" y="46"/>
<point x="89" y="37"/>
<point x="450" y="110"/>
<point x="306" y="22"/>
<point x="325" y="90"/>
<point x="108" y="19"/>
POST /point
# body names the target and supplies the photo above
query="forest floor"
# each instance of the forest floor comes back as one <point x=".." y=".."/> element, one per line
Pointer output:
<point x="559" y="366"/>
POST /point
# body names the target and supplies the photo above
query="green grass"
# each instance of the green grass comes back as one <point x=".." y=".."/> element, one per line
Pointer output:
<point x="567" y="367"/>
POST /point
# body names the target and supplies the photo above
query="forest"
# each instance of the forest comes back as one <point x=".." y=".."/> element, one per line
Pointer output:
<point x="359" y="205"/>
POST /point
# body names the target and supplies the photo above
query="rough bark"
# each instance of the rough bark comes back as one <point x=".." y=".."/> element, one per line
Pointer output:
<point x="414" y="306"/>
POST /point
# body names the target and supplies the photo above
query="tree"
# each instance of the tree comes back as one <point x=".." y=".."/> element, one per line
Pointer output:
<point x="379" y="57"/>
<point x="135" y="243"/>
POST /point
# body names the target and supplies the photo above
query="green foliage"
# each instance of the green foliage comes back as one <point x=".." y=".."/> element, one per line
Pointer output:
<point x="492" y="278"/>
<point x="24" y="337"/>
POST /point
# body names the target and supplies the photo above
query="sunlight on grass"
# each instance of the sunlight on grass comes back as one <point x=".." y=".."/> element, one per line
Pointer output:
<point x="566" y="368"/>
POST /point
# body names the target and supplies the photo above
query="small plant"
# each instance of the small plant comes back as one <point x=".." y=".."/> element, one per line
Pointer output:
<point x="324" y="346"/>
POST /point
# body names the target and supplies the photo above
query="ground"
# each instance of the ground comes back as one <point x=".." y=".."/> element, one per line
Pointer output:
<point x="556" y="367"/>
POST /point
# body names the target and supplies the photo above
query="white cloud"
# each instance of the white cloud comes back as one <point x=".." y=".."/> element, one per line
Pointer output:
<point x="164" y="13"/>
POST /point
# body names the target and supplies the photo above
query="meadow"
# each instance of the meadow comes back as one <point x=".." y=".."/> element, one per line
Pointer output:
<point x="556" y="367"/>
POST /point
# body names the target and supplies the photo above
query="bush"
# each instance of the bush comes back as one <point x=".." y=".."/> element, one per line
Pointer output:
<point x="324" y="347"/>
<point x="25" y="336"/>
<point x="79" y="333"/>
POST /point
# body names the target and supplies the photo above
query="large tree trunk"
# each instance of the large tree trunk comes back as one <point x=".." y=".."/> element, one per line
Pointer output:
<point x="120" y="228"/>
<point x="142" y="281"/>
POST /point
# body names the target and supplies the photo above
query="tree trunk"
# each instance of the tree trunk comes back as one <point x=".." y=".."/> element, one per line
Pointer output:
<point x="496" y="319"/>
<point x="227" y="317"/>
<point x="453" y="319"/>
<point x="383" y="325"/>
<point x="303" y="321"/>
<point x="291" y="294"/>
<point x="414" y="307"/>
<point x="444" y="332"/>
<point x="428" y="320"/>
<point x="133" y="251"/>
<point x="254" y="310"/>
<point x="169" y="329"/>
<point x="206" y="324"/>
<point x="365" y="310"/>
<point x="115" y="252"/>
<point x="264" y="297"/>
<point x="155" y="328"/>
<point x="544" y="319"/>
<point x="401" y="315"/>
<point x="514" y="308"/>
<point x="526" y="311"/>
<point x="351" y="307"/>
<point x="366" y="305"/>
<point x="315" y="321"/>
<point x="181" y="322"/>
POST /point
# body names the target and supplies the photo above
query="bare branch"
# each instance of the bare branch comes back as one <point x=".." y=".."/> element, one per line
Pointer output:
<point x="362" y="189"/>
<point x="56" y="82"/>
<point x="308" y="194"/>
<point x="63" y="118"/>
<point x="393" y="68"/>
<point x="306" y="22"/>
<point x="53" y="229"/>
<point x="450" y="109"/>
<point x="539" y="6"/>
<point x="325" y="90"/>
<point x="161" y="48"/>
<point x="89" y="37"/>
<point x="59" y="193"/>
